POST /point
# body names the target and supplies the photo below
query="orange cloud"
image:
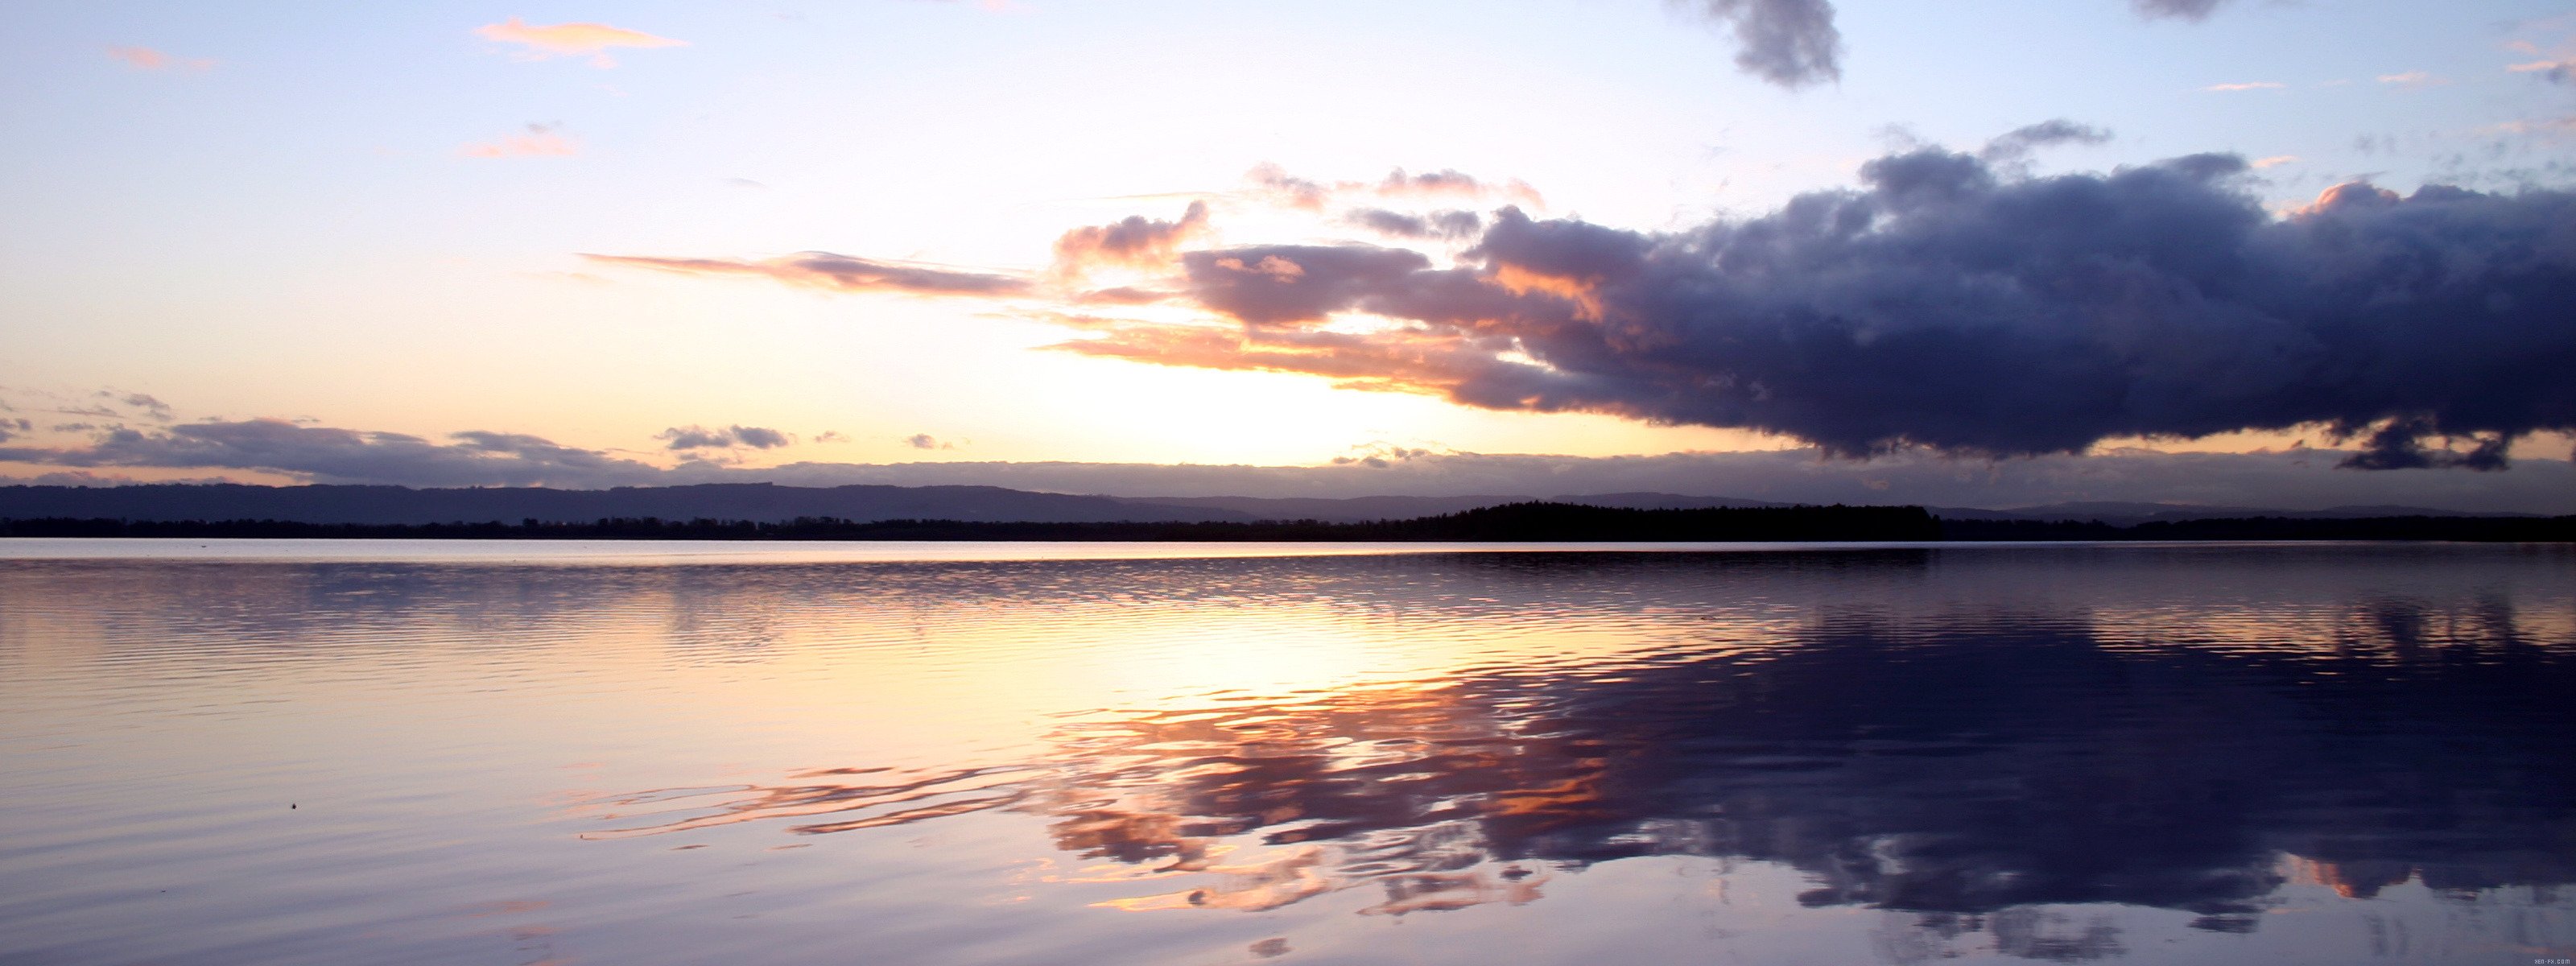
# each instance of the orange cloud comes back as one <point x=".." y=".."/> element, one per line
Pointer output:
<point x="540" y="141"/>
<point x="2351" y="194"/>
<point x="1444" y="364"/>
<point x="146" y="58"/>
<point x="571" y="39"/>
<point x="840" y="273"/>
<point x="2274" y="161"/>
<point x="1135" y="242"/>
<point x="1582" y="292"/>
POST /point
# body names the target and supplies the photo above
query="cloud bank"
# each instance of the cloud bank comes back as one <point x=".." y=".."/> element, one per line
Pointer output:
<point x="2295" y="479"/>
<point x="1951" y="304"/>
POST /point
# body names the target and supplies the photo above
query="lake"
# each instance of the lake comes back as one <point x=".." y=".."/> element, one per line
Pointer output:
<point x="284" y="752"/>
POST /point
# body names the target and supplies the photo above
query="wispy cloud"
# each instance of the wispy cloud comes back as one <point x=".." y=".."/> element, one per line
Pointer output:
<point x="146" y="58"/>
<point x="2274" y="161"/>
<point x="539" y="42"/>
<point x="838" y="272"/>
<point x="2413" y="78"/>
<point x="2246" y="86"/>
<point x="926" y="441"/>
<point x="2549" y="125"/>
<point x="2176" y="9"/>
<point x="1277" y="186"/>
<point x="541" y="140"/>
<point x="2559" y="71"/>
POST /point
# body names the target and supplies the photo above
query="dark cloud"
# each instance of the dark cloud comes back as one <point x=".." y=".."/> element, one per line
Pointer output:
<point x="1791" y="43"/>
<point x="700" y="437"/>
<point x="1286" y="283"/>
<point x="837" y="272"/>
<point x="1397" y="224"/>
<point x="926" y="441"/>
<point x="12" y="428"/>
<point x="1952" y="305"/>
<point x="760" y="438"/>
<point x="347" y="456"/>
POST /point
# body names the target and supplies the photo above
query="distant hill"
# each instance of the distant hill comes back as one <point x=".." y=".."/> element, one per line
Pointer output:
<point x="726" y="501"/>
<point x="771" y="503"/>
<point x="1366" y="508"/>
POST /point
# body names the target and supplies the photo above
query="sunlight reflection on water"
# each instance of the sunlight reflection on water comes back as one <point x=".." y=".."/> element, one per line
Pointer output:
<point x="1904" y="754"/>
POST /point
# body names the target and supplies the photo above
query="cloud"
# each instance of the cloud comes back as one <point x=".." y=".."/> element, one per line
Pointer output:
<point x="13" y="428"/>
<point x="1397" y="224"/>
<point x="926" y="441"/>
<point x="541" y="140"/>
<point x="1947" y="305"/>
<point x="1306" y="194"/>
<point x="1451" y="183"/>
<point x="146" y="58"/>
<point x="1134" y="241"/>
<point x="2413" y="78"/>
<point x="700" y="437"/>
<point x="2274" y="161"/>
<point x="570" y="39"/>
<point x="1791" y="43"/>
<point x="2020" y="142"/>
<point x="2176" y="9"/>
<point x="838" y="273"/>
<point x="2247" y="86"/>
<point x="152" y="408"/>
<point x="2551" y="125"/>
<point x="1951" y="301"/>
<point x="331" y="455"/>
<point x="2554" y="71"/>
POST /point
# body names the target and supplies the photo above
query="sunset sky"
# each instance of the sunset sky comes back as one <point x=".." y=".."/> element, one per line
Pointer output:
<point x="667" y="242"/>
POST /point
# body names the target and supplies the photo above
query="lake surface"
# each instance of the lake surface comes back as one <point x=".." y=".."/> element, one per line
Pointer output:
<point x="386" y="752"/>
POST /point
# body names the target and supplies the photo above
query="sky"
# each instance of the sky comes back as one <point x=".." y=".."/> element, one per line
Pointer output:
<point x="612" y="244"/>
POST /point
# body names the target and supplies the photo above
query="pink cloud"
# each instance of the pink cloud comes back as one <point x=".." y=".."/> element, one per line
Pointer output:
<point x="146" y="58"/>
<point x="540" y="141"/>
<point x="542" y="41"/>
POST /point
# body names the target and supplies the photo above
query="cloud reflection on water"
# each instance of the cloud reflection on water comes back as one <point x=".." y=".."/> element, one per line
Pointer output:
<point x="1966" y="740"/>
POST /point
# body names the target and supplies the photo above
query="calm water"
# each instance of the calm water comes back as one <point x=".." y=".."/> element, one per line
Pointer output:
<point x="505" y="753"/>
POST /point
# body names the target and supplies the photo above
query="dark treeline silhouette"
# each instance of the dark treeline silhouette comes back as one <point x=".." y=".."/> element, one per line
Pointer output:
<point x="1515" y="522"/>
<point x="2473" y="529"/>
<point x="1542" y="522"/>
